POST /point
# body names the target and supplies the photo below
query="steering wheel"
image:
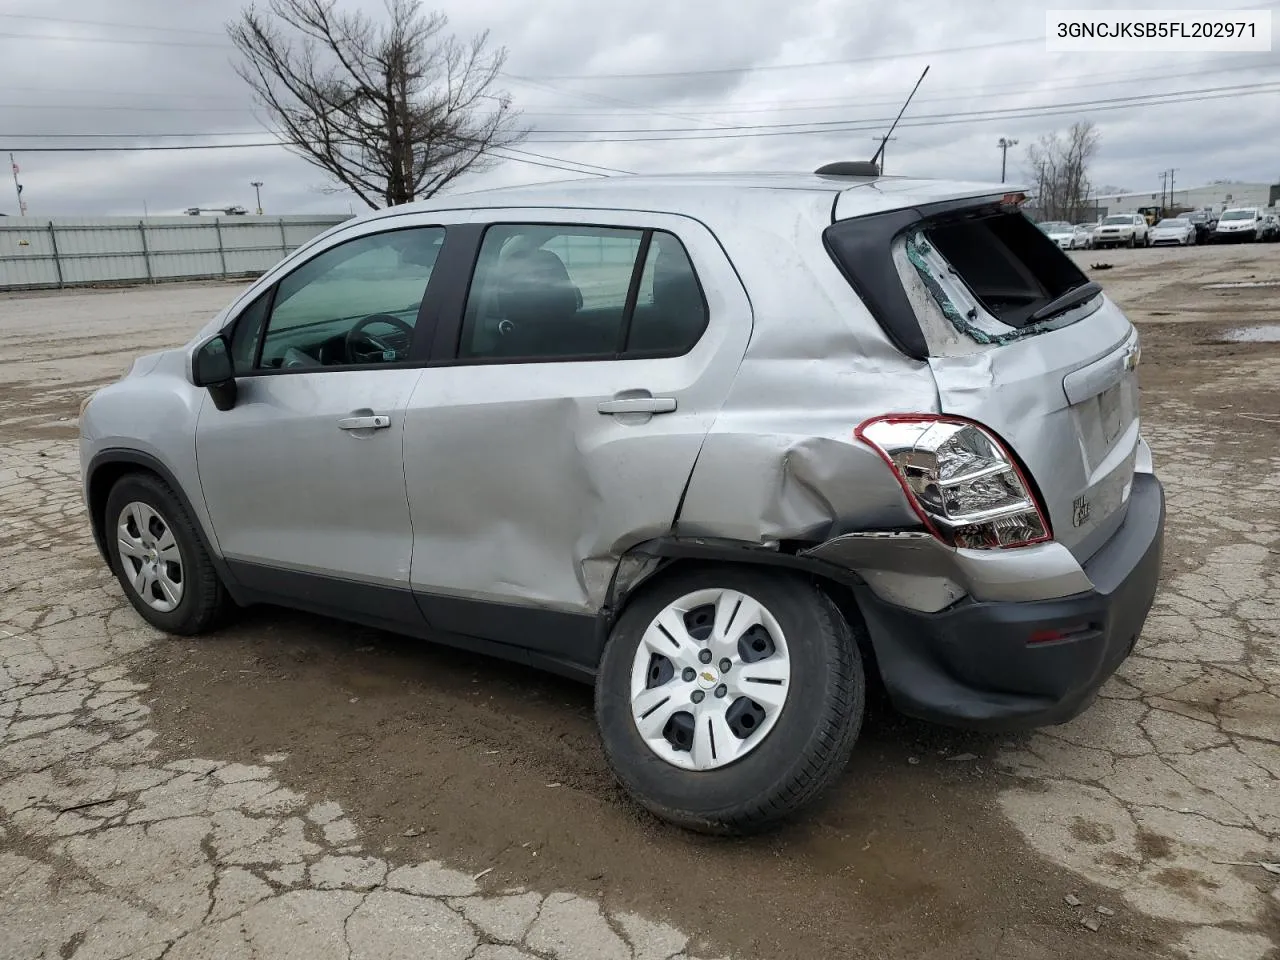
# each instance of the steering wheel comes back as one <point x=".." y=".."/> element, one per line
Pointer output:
<point x="381" y="351"/>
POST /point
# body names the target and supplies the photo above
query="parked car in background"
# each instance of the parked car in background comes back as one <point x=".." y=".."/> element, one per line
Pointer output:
<point x="1241" y="224"/>
<point x="1122" y="230"/>
<point x="1271" y="227"/>
<point x="1173" y="232"/>
<point x="1203" y="221"/>
<point x="578" y="425"/>
<point x="1083" y="236"/>
<point x="1061" y="233"/>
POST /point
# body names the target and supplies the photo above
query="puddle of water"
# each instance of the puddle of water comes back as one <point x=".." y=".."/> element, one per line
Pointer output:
<point x="1241" y="284"/>
<point x="1267" y="333"/>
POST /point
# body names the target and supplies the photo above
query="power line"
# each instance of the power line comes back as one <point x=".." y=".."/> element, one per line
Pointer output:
<point x="984" y="89"/>
<point x="529" y="153"/>
<point x="832" y="104"/>
<point x="836" y="126"/>
<point x="108" y="23"/>
<point x="543" y="161"/>
<point x="552" y="166"/>
<point x="755" y="68"/>
<point x="592" y="167"/>
<point x="993" y="113"/>
<point x="871" y="124"/>
<point x="863" y="126"/>
<point x="136" y="136"/>
<point x="93" y="106"/>
<point x="693" y="133"/>
<point x="782" y="106"/>
<point x="133" y="40"/>
<point x="146" y="149"/>
<point x="152" y="94"/>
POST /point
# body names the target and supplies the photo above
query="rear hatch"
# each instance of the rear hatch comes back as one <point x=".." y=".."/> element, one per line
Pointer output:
<point x="1021" y="341"/>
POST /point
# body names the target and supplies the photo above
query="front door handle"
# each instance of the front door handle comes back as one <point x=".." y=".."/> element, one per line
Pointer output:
<point x="378" y="422"/>
<point x="638" y="405"/>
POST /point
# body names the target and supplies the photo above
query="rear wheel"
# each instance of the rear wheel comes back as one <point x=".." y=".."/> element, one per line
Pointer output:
<point x="159" y="557"/>
<point x="728" y="698"/>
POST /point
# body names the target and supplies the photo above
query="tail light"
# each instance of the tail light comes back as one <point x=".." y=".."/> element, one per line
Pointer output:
<point x="961" y="480"/>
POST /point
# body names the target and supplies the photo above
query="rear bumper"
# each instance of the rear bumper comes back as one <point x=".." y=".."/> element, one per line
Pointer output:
<point x="973" y="664"/>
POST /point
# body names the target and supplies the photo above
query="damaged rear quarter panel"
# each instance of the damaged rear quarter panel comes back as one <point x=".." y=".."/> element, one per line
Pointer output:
<point x="781" y="462"/>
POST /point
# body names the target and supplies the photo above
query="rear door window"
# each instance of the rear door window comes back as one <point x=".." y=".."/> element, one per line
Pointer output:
<point x="576" y="292"/>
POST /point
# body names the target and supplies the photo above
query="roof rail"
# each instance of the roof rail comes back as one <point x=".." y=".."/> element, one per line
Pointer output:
<point x="849" y="168"/>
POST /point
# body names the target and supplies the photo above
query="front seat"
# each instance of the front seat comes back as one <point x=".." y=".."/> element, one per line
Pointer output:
<point x="537" y="302"/>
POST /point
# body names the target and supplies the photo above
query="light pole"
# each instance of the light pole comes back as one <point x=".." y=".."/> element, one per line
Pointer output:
<point x="1004" y="144"/>
<point x="257" y="193"/>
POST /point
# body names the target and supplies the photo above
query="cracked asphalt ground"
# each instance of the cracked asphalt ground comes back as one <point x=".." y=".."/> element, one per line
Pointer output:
<point x="293" y="786"/>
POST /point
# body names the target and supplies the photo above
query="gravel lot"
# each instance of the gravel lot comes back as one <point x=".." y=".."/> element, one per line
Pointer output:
<point x="293" y="786"/>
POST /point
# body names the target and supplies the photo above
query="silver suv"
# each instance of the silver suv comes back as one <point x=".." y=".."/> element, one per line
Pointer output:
<point x="728" y="447"/>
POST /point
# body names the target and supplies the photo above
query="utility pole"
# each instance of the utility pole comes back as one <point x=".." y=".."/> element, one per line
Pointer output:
<point x="1004" y="144"/>
<point x="257" y="193"/>
<point x="22" y="204"/>
<point x="882" y="152"/>
<point x="1164" y="182"/>
<point x="1172" y="171"/>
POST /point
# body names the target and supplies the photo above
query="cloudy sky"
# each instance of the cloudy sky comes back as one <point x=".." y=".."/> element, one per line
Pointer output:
<point x="757" y="85"/>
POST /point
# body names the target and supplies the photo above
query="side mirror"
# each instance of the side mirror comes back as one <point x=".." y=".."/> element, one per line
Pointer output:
<point x="213" y="369"/>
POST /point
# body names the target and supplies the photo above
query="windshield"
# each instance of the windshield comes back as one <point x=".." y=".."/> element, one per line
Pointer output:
<point x="1171" y="223"/>
<point x="1119" y="220"/>
<point x="1239" y="215"/>
<point x="1055" y="226"/>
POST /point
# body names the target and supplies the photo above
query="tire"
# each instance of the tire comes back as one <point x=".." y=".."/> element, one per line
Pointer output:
<point x="201" y="597"/>
<point x="1132" y="241"/>
<point x="805" y="745"/>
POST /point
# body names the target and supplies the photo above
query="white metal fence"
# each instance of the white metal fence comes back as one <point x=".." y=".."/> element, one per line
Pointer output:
<point x="37" y="253"/>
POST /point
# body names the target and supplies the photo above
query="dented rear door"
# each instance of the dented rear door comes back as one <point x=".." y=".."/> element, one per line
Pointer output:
<point x="528" y="478"/>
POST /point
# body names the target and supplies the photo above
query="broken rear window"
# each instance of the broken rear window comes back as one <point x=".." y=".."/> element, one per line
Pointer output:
<point x="1009" y="265"/>
<point x="959" y="279"/>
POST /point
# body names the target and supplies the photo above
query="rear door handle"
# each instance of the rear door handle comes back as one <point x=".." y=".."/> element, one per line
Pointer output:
<point x="638" y="405"/>
<point x="378" y="422"/>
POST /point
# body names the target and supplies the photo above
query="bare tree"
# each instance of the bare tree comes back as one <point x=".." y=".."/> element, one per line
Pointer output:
<point x="1060" y="169"/>
<point x="392" y="110"/>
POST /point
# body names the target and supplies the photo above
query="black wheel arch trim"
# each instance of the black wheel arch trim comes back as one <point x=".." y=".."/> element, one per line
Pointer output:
<point x="650" y="557"/>
<point x="125" y="456"/>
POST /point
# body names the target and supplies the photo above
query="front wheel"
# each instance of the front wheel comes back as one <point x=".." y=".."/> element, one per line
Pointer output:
<point x="729" y="698"/>
<point x="1132" y="241"/>
<point x="160" y="559"/>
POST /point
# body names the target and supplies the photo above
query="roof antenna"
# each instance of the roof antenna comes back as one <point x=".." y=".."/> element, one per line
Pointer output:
<point x="885" y="141"/>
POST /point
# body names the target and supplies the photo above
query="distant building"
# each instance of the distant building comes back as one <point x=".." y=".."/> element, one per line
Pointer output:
<point x="1215" y="196"/>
